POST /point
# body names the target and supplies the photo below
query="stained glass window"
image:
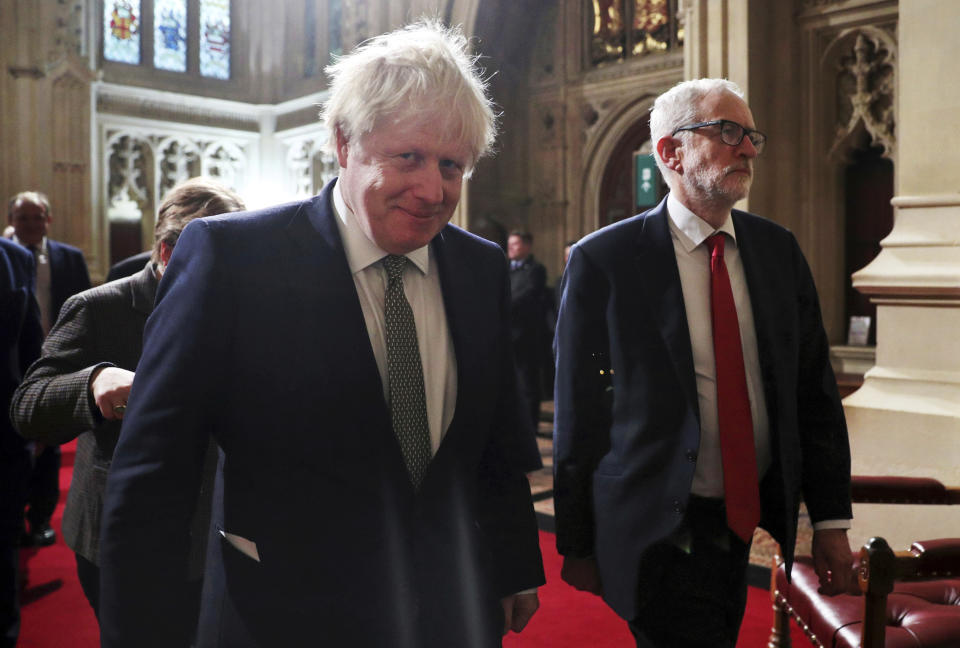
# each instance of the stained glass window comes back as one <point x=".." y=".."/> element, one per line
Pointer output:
<point x="170" y="35"/>
<point x="121" y="31"/>
<point x="215" y="38"/>
<point x="620" y="29"/>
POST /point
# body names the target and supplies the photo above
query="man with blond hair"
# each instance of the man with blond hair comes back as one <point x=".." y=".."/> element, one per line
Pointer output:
<point x="350" y="354"/>
<point x="694" y="395"/>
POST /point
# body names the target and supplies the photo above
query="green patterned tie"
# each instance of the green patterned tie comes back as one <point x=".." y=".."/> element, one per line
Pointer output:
<point x="408" y="401"/>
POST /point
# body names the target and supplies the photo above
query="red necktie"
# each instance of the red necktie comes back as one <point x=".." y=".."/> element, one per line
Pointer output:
<point x="740" y="482"/>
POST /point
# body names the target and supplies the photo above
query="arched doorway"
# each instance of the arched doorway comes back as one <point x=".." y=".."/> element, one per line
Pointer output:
<point x="617" y="197"/>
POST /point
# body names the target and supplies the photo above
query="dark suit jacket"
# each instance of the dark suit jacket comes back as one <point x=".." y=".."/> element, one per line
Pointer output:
<point x="68" y="274"/>
<point x="627" y="415"/>
<point x="528" y="300"/>
<point x="259" y="339"/>
<point x="100" y="327"/>
<point x="130" y="265"/>
<point x="20" y="338"/>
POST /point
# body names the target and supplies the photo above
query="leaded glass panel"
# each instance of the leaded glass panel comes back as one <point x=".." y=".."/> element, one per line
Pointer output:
<point x="215" y="38"/>
<point x="121" y="31"/>
<point x="623" y="29"/>
<point x="170" y="35"/>
<point x="608" y="32"/>
<point x="651" y="21"/>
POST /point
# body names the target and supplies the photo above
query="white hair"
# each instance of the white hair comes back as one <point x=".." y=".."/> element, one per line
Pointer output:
<point x="422" y="68"/>
<point x="680" y="106"/>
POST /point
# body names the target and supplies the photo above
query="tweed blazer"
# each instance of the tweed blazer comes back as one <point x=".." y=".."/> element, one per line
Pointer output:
<point x="100" y="327"/>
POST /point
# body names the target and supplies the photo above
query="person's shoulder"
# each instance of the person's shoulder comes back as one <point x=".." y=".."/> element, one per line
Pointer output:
<point x="128" y="266"/>
<point x="759" y="223"/>
<point x="616" y="236"/>
<point x="14" y="250"/>
<point x="770" y="232"/>
<point x="111" y="291"/>
<point x="461" y="241"/>
<point x="66" y="248"/>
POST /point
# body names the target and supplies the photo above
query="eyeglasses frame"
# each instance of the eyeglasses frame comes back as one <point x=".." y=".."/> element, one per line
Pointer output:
<point x="745" y="132"/>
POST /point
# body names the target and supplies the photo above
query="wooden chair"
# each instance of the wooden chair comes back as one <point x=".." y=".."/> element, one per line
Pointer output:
<point x="909" y="598"/>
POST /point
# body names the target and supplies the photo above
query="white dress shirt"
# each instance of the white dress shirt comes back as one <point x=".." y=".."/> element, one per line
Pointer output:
<point x="42" y="292"/>
<point x="689" y="233"/>
<point x="421" y="286"/>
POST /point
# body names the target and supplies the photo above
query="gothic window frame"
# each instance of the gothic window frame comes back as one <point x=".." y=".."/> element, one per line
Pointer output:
<point x="630" y="42"/>
<point x="146" y="69"/>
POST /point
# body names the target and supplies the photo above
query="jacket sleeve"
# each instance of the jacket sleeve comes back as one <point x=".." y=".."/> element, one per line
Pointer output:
<point x="582" y="401"/>
<point x="821" y="422"/>
<point x="506" y="514"/>
<point x="53" y="403"/>
<point x="154" y="481"/>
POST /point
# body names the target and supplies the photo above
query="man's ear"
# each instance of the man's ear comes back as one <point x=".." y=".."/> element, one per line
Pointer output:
<point x="166" y="251"/>
<point x="668" y="148"/>
<point x="343" y="147"/>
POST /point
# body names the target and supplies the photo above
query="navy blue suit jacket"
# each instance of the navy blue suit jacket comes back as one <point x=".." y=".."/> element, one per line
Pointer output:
<point x="258" y="338"/>
<point x="627" y="415"/>
<point x="68" y="274"/>
<point x="20" y="340"/>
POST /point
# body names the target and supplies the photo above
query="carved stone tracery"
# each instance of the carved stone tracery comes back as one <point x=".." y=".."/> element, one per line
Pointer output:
<point x="865" y="94"/>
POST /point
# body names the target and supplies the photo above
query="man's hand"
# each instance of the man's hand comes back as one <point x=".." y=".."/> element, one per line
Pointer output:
<point x="110" y="387"/>
<point x="582" y="573"/>
<point x="833" y="562"/>
<point x="517" y="610"/>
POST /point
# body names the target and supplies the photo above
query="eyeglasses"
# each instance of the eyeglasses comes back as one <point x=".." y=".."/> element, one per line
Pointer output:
<point x="731" y="133"/>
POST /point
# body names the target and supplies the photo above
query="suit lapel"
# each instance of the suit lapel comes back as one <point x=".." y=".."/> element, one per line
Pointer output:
<point x="455" y="283"/>
<point x="318" y="266"/>
<point x="660" y="281"/>
<point x="143" y="290"/>
<point x="763" y="295"/>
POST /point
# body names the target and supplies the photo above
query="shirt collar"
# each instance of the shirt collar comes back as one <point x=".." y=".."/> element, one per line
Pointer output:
<point x="42" y="248"/>
<point x="361" y="251"/>
<point x="689" y="228"/>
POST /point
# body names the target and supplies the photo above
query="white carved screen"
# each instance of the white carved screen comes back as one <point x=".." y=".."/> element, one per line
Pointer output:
<point x="141" y="160"/>
<point x="308" y="164"/>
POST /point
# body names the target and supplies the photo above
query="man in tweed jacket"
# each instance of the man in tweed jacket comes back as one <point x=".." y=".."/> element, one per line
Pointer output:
<point x="79" y="387"/>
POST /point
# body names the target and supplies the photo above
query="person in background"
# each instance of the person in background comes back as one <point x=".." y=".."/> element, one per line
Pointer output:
<point x="61" y="272"/>
<point x="79" y="387"/>
<point x="20" y="339"/>
<point x="350" y="354"/>
<point x="129" y="266"/>
<point x="695" y="398"/>
<point x="528" y="301"/>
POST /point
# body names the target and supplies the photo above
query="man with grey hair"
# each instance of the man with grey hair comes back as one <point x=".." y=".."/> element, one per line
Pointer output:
<point x="350" y="354"/>
<point x="694" y="395"/>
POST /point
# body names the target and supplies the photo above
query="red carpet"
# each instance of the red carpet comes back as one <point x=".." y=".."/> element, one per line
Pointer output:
<point x="56" y="614"/>
<point x="571" y="619"/>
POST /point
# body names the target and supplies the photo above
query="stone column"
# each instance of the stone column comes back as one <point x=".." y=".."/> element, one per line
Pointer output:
<point x="905" y="420"/>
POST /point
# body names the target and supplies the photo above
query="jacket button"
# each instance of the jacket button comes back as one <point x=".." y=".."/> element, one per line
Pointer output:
<point x="692" y="456"/>
<point x="677" y="506"/>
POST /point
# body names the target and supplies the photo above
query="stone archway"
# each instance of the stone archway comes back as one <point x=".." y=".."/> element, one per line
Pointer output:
<point x="622" y="126"/>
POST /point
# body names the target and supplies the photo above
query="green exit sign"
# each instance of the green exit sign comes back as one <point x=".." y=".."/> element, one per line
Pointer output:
<point x="646" y="181"/>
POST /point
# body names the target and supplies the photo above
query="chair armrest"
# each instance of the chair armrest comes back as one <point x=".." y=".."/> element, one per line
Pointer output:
<point x="901" y="490"/>
<point x="938" y="558"/>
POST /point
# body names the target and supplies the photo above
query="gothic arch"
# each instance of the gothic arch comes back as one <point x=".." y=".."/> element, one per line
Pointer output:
<point x="598" y="155"/>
